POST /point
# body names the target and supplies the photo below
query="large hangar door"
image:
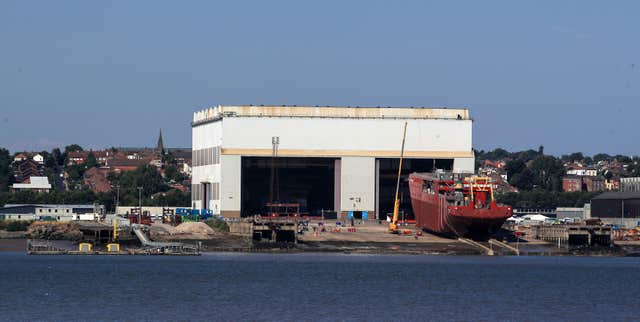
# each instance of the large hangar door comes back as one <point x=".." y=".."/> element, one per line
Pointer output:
<point x="309" y="182"/>
<point x="387" y="177"/>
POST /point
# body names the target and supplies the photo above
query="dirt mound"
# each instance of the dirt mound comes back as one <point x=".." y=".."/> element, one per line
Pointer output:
<point x="161" y="229"/>
<point x="54" y="231"/>
<point x="194" y="228"/>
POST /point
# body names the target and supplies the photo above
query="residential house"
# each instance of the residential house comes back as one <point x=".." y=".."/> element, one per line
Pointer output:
<point x="612" y="184"/>
<point x="80" y="157"/>
<point x="25" y="168"/>
<point x="572" y="183"/>
<point x="594" y="183"/>
<point x="37" y="184"/>
<point x="96" y="179"/>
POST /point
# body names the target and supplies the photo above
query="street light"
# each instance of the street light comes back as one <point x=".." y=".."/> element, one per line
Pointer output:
<point x="139" y="205"/>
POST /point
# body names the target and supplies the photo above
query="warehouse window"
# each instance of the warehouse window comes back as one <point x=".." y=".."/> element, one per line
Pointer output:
<point x="215" y="193"/>
<point x="206" y="156"/>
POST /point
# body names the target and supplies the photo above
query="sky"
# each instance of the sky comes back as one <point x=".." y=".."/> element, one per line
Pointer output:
<point x="562" y="74"/>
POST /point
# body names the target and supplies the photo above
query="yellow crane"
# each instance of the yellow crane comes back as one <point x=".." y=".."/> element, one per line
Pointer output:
<point x="393" y="226"/>
<point x="114" y="247"/>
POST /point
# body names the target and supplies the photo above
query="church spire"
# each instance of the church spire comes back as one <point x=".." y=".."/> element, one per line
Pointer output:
<point x="160" y="146"/>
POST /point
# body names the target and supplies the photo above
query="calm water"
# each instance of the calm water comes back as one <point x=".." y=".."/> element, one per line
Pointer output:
<point x="318" y="287"/>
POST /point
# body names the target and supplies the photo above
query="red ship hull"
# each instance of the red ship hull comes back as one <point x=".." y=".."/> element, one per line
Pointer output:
<point x="436" y="213"/>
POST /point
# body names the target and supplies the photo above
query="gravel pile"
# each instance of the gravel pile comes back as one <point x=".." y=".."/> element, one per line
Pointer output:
<point x="194" y="228"/>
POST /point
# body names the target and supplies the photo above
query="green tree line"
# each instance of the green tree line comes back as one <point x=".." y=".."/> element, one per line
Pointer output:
<point x="155" y="189"/>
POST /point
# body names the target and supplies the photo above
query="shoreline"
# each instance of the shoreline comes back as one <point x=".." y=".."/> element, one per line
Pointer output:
<point x="380" y="248"/>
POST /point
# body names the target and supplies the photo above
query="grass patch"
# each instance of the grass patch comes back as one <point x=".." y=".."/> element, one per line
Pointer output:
<point x="217" y="224"/>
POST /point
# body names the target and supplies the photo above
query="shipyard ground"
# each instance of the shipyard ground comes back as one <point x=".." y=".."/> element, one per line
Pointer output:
<point x="368" y="238"/>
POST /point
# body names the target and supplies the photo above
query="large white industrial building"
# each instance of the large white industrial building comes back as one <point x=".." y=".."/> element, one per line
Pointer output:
<point x="341" y="159"/>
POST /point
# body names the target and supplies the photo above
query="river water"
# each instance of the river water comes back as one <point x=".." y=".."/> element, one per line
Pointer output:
<point x="309" y="287"/>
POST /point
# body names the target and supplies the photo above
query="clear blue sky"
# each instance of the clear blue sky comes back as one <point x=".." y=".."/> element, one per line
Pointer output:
<point x="564" y="74"/>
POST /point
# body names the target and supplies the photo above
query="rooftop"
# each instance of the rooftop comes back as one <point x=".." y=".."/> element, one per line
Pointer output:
<point x="34" y="183"/>
<point x="49" y="206"/>
<point x="617" y="195"/>
<point x="220" y="111"/>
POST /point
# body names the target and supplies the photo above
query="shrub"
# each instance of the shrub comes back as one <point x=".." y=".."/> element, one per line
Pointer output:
<point x="17" y="225"/>
<point x="217" y="224"/>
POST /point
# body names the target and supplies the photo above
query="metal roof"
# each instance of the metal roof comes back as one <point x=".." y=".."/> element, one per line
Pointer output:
<point x="34" y="183"/>
<point x="617" y="195"/>
<point x="51" y="206"/>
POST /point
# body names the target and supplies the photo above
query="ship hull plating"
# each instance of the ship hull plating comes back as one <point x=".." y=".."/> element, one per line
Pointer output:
<point x="436" y="213"/>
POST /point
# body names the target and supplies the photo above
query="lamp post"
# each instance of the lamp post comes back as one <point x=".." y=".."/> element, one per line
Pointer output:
<point x="117" y="199"/>
<point x="622" y="215"/>
<point x="139" y="205"/>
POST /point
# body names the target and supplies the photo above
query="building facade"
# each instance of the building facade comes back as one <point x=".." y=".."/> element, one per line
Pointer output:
<point x="572" y="183"/>
<point x="36" y="184"/>
<point x="338" y="159"/>
<point x="630" y="184"/>
<point x="617" y="208"/>
<point x="50" y="212"/>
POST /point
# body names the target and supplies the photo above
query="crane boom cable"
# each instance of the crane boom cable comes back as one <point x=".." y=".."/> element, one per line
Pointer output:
<point x="396" y="203"/>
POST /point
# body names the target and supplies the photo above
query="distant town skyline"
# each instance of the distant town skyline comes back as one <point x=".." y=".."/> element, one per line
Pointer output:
<point x="562" y="74"/>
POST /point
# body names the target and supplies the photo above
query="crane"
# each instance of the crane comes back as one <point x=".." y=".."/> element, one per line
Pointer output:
<point x="393" y="226"/>
<point x="114" y="246"/>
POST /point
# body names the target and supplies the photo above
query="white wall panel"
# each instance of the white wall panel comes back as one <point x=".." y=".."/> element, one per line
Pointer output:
<point x="231" y="179"/>
<point x="347" y="134"/>
<point x="358" y="184"/>
<point x="464" y="165"/>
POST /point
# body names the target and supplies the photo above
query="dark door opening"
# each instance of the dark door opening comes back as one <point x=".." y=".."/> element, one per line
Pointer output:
<point x="205" y="195"/>
<point x="387" y="178"/>
<point x="308" y="182"/>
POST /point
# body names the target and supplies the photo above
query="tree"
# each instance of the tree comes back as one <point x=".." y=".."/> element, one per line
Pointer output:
<point x="75" y="171"/>
<point x="146" y="176"/>
<point x="573" y="157"/>
<point x="548" y="172"/>
<point x="624" y="159"/>
<point x="91" y="161"/>
<point x="514" y="167"/>
<point x="526" y="156"/>
<point x="56" y="154"/>
<point x="519" y="175"/>
<point x="168" y="158"/>
<point x="173" y="174"/>
<point x="523" y="180"/>
<point x="172" y="198"/>
<point x="48" y="159"/>
<point x="6" y="175"/>
<point x="497" y="154"/>
<point x="72" y="148"/>
<point x="601" y="157"/>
